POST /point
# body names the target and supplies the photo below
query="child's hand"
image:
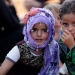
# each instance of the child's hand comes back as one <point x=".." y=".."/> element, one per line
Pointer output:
<point x="68" y="39"/>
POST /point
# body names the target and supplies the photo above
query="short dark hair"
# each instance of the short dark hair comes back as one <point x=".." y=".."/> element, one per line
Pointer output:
<point x="67" y="7"/>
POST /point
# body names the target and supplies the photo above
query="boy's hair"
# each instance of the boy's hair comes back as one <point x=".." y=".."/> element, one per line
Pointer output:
<point x="67" y="7"/>
<point x="53" y="6"/>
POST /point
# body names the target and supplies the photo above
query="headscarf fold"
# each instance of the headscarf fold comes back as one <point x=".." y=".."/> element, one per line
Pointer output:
<point x="51" y="59"/>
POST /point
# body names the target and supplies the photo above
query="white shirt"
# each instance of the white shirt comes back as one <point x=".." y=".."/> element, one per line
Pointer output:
<point x="14" y="54"/>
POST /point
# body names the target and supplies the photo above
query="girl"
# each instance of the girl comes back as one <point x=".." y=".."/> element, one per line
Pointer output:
<point x="39" y="51"/>
<point x="67" y="42"/>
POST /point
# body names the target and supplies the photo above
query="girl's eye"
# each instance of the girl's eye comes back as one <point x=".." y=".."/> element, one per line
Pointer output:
<point x="36" y="30"/>
<point x="65" y="24"/>
<point x="45" y="30"/>
<point x="33" y="30"/>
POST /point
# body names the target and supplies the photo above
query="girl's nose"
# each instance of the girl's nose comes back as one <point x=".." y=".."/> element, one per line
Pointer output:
<point x="39" y="33"/>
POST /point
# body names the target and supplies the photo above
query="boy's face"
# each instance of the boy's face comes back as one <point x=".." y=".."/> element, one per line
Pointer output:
<point x="57" y="20"/>
<point x="68" y="23"/>
<point x="39" y="33"/>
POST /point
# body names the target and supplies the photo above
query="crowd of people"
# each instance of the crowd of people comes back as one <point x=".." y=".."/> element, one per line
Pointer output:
<point x="43" y="44"/>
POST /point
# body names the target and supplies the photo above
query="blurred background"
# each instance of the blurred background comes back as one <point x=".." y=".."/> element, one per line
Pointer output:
<point x="22" y="10"/>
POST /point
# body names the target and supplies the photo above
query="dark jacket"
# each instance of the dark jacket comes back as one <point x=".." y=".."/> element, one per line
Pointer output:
<point x="8" y="22"/>
<point x="67" y="56"/>
<point x="62" y="50"/>
<point x="10" y="30"/>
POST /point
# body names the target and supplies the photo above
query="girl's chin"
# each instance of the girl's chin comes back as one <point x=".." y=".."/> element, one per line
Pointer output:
<point x="39" y="44"/>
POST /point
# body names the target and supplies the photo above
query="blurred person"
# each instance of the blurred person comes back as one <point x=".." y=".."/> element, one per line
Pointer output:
<point x="10" y="30"/>
<point x="9" y="3"/>
<point x="39" y="3"/>
<point x="55" y="1"/>
<point x="34" y="3"/>
<point x="54" y="8"/>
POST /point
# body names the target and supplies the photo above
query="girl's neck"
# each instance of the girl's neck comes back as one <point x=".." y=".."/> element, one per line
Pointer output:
<point x="38" y="52"/>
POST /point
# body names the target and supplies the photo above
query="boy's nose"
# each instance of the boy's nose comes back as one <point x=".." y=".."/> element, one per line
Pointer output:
<point x="70" y="28"/>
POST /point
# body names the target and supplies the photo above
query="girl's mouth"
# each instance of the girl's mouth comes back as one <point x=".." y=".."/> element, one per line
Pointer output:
<point x="38" y="40"/>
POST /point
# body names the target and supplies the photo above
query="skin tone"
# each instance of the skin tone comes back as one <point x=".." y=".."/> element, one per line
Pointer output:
<point x="57" y="20"/>
<point x="39" y="34"/>
<point x="57" y="23"/>
<point x="5" y="67"/>
<point x="68" y="27"/>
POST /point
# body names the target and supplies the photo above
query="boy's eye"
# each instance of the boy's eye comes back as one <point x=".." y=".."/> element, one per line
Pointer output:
<point x="74" y="24"/>
<point x="65" y="24"/>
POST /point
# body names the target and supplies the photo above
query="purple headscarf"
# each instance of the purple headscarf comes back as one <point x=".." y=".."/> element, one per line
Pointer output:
<point x="51" y="59"/>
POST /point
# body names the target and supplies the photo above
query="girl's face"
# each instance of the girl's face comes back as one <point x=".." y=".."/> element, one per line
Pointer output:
<point x="57" y="20"/>
<point x="39" y="33"/>
<point x="68" y="23"/>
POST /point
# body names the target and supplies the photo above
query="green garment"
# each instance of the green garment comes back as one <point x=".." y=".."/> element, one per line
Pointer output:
<point x="68" y="57"/>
